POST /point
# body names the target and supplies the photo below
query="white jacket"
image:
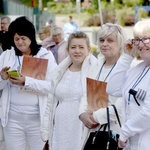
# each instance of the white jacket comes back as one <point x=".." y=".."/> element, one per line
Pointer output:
<point x="40" y="86"/>
<point x="100" y="115"/>
<point x="47" y="126"/>
<point x="137" y="118"/>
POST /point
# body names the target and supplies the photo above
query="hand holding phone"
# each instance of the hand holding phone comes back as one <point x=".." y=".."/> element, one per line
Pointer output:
<point x="13" y="73"/>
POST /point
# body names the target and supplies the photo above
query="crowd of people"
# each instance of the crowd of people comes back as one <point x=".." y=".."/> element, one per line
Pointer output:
<point x="55" y="111"/>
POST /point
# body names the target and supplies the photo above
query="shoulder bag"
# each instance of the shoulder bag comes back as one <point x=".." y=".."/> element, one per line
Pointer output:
<point x="104" y="140"/>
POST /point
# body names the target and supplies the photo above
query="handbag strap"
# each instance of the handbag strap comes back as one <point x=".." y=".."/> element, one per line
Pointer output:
<point x="104" y="125"/>
<point x="108" y="120"/>
<point x="108" y="124"/>
<point x="116" y="112"/>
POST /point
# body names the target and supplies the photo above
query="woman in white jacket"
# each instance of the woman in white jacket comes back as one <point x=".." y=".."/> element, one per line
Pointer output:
<point x="23" y="110"/>
<point x="61" y="125"/>
<point x="133" y="84"/>
<point x="111" y="38"/>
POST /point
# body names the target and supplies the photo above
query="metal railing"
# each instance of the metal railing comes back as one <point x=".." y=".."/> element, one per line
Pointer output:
<point x="38" y="17"/>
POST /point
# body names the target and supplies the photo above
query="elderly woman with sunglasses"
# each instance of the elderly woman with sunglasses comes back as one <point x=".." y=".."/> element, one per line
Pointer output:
<point x="111" y="38"/>
<point x="133" y="84"/>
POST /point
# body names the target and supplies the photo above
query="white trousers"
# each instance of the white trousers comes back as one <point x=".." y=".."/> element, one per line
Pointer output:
<point x="21" y="128"/>
<point x="2" y="145"/>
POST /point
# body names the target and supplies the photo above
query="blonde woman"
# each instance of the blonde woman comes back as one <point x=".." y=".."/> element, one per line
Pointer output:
<point x="111" y="38"/>
<point x="61" y="125"/>
<point x="45" y="37"/>
<point x="133" y="84"/>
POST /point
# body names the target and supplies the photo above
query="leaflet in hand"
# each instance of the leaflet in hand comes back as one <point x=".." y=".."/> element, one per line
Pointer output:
<point x="96" y="94"/>
<point x="34" y="67"/>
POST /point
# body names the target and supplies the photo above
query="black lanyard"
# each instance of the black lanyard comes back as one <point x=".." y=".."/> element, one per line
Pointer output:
<point x="108" y="72"/>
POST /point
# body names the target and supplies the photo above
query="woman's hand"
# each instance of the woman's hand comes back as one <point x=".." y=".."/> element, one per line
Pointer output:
<point x="4" y="74"/>
<point x="88" y="120"/>
<point x="122" y="144"/>
<point x="129" y="49"/>
<point x="17" y="80"/>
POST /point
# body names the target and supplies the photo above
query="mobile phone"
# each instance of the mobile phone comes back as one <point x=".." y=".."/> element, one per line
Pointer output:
<point x="13" y="73"/>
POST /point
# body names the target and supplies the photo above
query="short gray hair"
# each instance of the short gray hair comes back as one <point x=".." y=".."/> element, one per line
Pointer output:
<point x="109" y="28"/>
<point x="6" y="17"/>
<point x="141" y="28"/>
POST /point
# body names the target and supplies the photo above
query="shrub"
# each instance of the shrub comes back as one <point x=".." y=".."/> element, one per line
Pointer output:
<point x="125" y="16"/>
<point x="94" y="50"/>
<point x="142" y="13"/>
<point x="93" y="21"/>
<point x="61" y="8"/>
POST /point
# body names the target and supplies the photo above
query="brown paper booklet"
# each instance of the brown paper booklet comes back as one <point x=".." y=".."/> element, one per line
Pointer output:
<point x="34" y="67"/>
<point x="96" y="94"/>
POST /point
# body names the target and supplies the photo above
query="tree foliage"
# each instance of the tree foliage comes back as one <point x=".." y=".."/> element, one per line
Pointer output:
<point x="133" y="3"/>
<point x="142" y="13"/>
<point x="35" y="3"/>
<point x="95" y="3"/>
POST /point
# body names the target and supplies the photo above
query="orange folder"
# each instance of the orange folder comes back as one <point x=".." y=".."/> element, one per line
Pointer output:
<point x="34" y="67"/>
<point x="96" y="94"/>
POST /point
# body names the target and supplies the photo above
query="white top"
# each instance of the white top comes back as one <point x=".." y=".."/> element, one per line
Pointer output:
<point x="22" y="102"/>
<point x="136" y="128"/>
<point x="100" y="115"/>
<point x="66" y="122"/>
<point x="40" y="87"/>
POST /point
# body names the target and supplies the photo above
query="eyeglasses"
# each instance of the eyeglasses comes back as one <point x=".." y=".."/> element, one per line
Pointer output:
<point x="145" y="40"/>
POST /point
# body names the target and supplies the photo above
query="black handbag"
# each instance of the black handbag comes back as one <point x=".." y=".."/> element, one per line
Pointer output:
<point x="104" y="140"/>
<point x="46" y="146"/>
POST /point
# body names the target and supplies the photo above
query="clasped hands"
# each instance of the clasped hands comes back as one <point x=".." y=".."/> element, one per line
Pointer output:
<point x="14" y="80"/>
<point x="88" y="120"/>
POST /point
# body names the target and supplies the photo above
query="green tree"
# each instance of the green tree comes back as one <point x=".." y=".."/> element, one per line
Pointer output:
<point x="142" y="13"/>
<point x="94" y="4"/>
<point x="146" y="3"/>
<point x="133" y="3"/>
<point x="118" y="1"/>
<point x="35" y="2"/>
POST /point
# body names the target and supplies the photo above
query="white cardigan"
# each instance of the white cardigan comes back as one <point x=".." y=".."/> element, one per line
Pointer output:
<point x="47" y="126"/>
<point x="42" y="87"/>
<point x="137" y="118"/>
<point x="100" y="115"/>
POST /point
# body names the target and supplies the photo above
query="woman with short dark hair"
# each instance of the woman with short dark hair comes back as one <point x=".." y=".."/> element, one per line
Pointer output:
<point x="23" y="98"/>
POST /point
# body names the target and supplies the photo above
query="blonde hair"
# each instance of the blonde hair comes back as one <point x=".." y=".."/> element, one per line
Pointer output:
<point x="45" y="30"/>
<point x="78" y="35"/>
<point x="109" y="28"/>
<point x="142" y="28"/>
